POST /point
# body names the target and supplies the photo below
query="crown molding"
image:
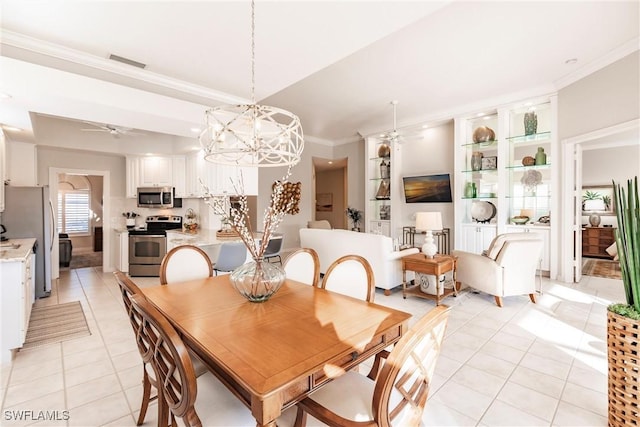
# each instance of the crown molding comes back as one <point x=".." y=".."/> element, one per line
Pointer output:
<point x="321" y="141"/>
<point x="42" y="47"/>
<point x="615" y="55"/>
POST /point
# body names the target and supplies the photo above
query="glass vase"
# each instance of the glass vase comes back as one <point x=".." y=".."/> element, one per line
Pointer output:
<point x="257" y="280"/>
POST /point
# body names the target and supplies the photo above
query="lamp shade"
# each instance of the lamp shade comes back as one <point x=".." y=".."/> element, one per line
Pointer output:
<point x="428" y="221"/>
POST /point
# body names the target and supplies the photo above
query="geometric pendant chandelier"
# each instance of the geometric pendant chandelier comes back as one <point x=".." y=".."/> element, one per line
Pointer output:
<point x="252" y="134"/>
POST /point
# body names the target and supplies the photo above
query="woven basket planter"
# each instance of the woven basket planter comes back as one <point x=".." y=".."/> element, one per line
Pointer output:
<point x="623" y="351"/>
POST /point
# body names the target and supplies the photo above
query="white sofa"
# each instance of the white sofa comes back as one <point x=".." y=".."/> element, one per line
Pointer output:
<point x="375" y="248"/>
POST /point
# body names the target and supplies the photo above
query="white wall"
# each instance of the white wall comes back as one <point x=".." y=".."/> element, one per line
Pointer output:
<point x="600" y="166"/>
<point x="602" y="99"/>
<point x="606" y="98"/>
<point x="431" y="153"/>
<point x="356" y="194"/>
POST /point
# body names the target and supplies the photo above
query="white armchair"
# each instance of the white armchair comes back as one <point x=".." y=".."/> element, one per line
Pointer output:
<point x="507" y="268"/>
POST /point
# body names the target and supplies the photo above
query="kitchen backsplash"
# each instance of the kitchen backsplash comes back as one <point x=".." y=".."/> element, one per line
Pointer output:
<point x="205" y="217"/>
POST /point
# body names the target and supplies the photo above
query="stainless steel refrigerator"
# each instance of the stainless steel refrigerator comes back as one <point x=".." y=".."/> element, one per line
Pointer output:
<point x="28" y="213"/>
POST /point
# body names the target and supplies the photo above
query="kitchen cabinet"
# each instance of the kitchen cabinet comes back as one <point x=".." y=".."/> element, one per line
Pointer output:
<point x="132" y="171"/>
<point x="227" y="175"/>
<point x="542" y="231"/>
<point x="179" y="167"/>
<point x="196" y="169"/>
<point x="17" y="277"/>
<point x="477" y="238"/>
<point x="21" y="168"/>
<point x="156" y="171"/>
<point x="121" y="250"/>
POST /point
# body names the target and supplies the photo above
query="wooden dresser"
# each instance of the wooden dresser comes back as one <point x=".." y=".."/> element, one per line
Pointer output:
<point x="595" y="240"/>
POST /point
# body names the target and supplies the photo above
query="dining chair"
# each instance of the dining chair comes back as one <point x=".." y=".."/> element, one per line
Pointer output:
<point x="350" y="275"/>
<point x="231" y="256"/>
<point x="273" y="249"/>
<point x="180" y="389"/>
<point x="303" y="265"/>
<point x="396" y="396"/>
<point x="128" y="289"/>
<point x="186" y="262"/>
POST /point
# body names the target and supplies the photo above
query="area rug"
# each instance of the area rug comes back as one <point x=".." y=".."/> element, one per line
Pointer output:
<point x="90" y="259"/>
<point x="56" y="323"/>
<point x="602" y="268"/>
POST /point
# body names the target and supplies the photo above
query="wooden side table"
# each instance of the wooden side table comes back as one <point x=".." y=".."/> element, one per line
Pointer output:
<point x="436" y="266"/>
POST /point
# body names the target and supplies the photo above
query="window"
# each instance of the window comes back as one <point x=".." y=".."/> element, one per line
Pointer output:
<point x="73" y="211"/>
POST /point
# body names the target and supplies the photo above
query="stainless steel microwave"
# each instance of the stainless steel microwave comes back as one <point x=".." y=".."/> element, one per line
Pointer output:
<point x="155" y="197"/>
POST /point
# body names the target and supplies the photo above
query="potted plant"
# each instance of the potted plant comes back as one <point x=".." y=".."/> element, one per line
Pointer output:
<point x="623" y="320"/>
<point x="355" y="216"/>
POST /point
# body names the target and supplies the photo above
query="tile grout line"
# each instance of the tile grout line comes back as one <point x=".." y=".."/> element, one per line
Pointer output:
<point x="104" y="343"/>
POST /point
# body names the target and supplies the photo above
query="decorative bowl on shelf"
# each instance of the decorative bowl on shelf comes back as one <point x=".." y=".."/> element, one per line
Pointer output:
<point x="528" y="161"/>
<point x="483" y="134"/>
<point x="483" y="211"/>
<point x="521" y="220"/>
<point x="384" y="150"/>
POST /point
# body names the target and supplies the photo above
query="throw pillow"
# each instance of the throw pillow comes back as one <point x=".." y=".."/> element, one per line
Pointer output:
<point x="613" y="251"/>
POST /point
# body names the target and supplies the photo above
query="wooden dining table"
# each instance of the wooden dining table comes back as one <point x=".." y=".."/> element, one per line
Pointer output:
<point x="273" y="354"/>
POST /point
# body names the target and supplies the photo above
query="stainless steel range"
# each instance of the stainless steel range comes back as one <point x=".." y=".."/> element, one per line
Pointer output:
<point x="148" y="247"/>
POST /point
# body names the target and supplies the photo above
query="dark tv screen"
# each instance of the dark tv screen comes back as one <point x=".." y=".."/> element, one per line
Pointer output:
<point x="427" y="189"/>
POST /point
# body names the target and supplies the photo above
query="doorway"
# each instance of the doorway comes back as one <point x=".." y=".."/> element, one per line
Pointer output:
<point x="581" y="171"/>
<point x="330" y="190"/>
<point x="79" y="221"/>
<point x="55" y="175"/>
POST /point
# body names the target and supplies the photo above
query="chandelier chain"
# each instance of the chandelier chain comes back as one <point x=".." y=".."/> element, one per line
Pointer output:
<point x="252" y="134"/>
<point x="253" y="51"/>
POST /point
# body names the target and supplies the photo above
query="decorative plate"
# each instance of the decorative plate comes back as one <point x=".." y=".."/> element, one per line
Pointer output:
<point x="483" y="211"/>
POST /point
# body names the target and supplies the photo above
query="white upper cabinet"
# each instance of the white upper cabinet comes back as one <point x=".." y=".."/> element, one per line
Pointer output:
<point x="132" y="166"/>
<point x="184" y="172"/>
<point x="243" y="178"/>
<point x="179" y="166"/>
<point x="156" y="171"/>
<point x="20" y="167"/>
<point x="195" y="170"/>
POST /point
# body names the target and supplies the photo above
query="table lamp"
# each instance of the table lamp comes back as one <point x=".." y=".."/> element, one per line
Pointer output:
<point x="429" y="221"/>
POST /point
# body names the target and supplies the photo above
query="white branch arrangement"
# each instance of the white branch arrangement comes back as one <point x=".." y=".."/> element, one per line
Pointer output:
<point x="238" y="216"/>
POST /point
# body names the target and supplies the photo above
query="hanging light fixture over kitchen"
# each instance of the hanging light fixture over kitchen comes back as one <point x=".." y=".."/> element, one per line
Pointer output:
<point x="252" y="134"/>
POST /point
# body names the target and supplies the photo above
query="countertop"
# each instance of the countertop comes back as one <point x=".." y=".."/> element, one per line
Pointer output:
<point x="13" y="250"/>
<point x="201" y="237"/>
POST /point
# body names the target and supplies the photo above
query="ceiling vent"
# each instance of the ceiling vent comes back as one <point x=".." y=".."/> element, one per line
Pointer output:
<point x="127" y="61"/>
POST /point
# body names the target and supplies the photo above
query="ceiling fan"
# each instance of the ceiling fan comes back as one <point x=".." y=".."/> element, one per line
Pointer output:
<point x="392" y="136"/>
<point x="115" y="131"/>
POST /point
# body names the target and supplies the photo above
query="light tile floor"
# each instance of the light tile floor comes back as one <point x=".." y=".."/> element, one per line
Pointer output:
<point x="526" y="364"/>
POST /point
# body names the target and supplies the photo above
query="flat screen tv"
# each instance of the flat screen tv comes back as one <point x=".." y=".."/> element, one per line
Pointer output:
<point x="427" y="188"/>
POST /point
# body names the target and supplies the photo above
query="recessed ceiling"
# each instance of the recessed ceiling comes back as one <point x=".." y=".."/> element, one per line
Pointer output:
<point x="336" y="64"/>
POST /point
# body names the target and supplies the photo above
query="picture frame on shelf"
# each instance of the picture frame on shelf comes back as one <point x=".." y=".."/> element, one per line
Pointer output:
<point x="489" y="163"/>
<point x="597" y="199"/>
